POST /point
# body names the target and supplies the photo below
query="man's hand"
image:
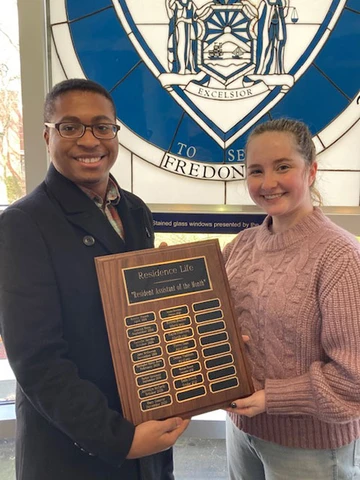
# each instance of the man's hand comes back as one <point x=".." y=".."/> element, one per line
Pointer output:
<point x="155" y="436"/>
<point x="250" y="406"/>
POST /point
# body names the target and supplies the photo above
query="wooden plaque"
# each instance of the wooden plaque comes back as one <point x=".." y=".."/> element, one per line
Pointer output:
<point x="172" y="331"/>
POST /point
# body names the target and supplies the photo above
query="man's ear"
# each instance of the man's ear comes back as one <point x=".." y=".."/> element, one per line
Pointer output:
<point x="46" y="136"/>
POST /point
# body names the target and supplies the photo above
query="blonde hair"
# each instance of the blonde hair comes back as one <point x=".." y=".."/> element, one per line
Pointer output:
<point x="302" y="138"/>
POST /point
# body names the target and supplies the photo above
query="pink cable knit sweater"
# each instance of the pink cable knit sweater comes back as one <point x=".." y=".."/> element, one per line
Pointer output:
<point x="297" y="294"/>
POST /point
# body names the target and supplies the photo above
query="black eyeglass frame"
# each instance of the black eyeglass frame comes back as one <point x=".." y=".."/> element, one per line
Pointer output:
<point x="115" y="129"/>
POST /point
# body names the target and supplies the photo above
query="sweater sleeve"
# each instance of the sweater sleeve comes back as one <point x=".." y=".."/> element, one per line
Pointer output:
<point x="233" y="246"/>
<point x="226" y="251"/>
<point x="330" y="390"/>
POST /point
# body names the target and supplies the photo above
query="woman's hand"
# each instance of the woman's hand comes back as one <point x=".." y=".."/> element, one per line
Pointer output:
<point x="249" y="406"/>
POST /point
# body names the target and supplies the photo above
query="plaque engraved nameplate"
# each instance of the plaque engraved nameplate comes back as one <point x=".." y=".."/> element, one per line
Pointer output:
<point x="173" y="337"/>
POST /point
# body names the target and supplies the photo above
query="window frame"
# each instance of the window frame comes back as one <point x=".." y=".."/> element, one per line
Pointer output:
<point x="34" y="81"/>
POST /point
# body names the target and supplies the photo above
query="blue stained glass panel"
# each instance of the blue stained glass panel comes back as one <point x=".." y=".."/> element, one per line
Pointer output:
<point x="353" y="4"/>
<point x="104" y="50"/>
<point x="149" y="110"/>
<point x="337" y="59"/>
<point x="80" y="8"/>
<point x="189" y="133"/>
<point x="315" y="91"/>
<point x="235" y="153"/>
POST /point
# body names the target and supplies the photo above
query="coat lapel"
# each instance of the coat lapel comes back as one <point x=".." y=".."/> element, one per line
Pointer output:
<point x="81" y="211"/>
<point x="134" y="224"/>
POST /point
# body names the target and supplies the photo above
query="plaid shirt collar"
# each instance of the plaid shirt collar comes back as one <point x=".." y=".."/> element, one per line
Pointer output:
<point x="112" y="195"/>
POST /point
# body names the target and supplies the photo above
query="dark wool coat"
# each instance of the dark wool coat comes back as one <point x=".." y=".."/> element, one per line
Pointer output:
<point x="69" y="420"/>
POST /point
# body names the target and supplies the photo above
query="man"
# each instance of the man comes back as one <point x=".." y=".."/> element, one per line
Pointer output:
<point x="69" y="419"/>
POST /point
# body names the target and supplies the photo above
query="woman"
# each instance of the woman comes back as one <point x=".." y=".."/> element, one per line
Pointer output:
<point x="295" y="281"/>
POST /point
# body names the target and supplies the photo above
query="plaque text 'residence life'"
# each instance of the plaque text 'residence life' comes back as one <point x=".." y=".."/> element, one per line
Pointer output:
<point x="163" y="280"/>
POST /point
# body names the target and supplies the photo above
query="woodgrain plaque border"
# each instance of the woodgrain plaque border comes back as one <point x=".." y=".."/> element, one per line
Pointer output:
<point x="172" y="331"/>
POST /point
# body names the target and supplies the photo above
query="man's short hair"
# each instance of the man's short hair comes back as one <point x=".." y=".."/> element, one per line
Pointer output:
<point x="71" y="85"/>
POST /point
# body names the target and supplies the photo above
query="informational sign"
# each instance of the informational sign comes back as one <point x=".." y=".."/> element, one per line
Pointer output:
<point x="218" y="223"/>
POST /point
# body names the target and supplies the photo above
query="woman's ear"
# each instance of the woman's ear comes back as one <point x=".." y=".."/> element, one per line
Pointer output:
<point x="312" y="173"/>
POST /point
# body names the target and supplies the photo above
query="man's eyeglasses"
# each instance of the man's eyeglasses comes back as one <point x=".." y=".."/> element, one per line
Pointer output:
<point x="105" y="131"/>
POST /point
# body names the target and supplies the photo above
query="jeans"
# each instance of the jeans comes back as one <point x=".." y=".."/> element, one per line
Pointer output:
<point x="250" y="458"/>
